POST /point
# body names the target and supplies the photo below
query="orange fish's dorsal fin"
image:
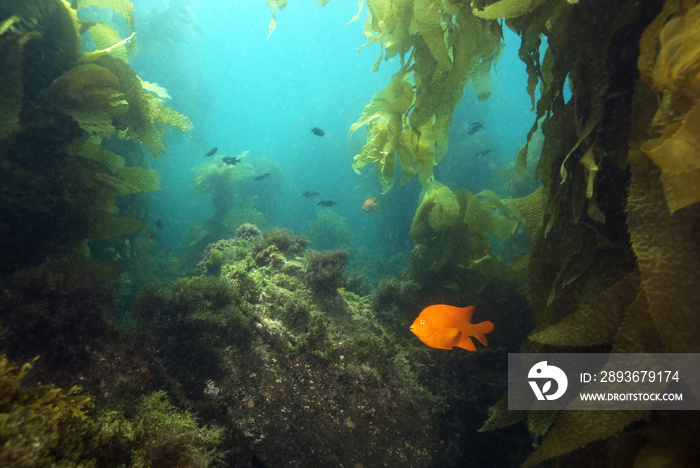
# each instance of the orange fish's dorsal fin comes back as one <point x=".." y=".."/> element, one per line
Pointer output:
<point x="467" y="343"/>
<point x="468" y="312"/>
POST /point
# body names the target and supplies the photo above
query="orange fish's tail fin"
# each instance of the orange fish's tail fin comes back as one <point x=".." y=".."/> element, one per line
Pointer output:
<point x="480" y="331"/>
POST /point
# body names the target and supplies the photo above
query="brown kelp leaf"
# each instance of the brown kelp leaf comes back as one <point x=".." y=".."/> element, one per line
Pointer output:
<point x="390" y="21"/>
<point x="539" y="423"/>
<point x="160" y="113"/>
<point x="93" y="96"/>
<point x="90" y="148"/>
<point x="529" y="210"/>
<point x="637" y="333"/>
<point x="677" y="153"/>
<point x="380" y="147"/>
<point x="396" y="98"/>
<point x="383" y="117"/>
<point x="107" y="40"/>
<point x="648" y="43"/>
<point x="147" y="119"/>
<point x="596" y="323"/>
<point x="360" y="3"/>
<point x="106" y="176"/>
<point x="105" y="226"/>
<point x="677" y="67"/>
<point x="507" y="9"/>
<point x="500" y="416"/>
<point x="665" y="244"/>
<point x="479" y="217"/>
<point x="123" y="7"/>
<point x="157" y="90"/>
<point x="445" y="210"/>
<point x="277" y="5"/>
<point x="11" y="52"/>
<point x="574" y="429"/>
<point x="428" y="17"/>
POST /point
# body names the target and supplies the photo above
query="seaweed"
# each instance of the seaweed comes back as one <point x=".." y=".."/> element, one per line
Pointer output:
<point x="283" y="241"/>
<point x="236" y="201"/>
<point x="158" y="434"/>
<point x="453" y="234"/>
<point x="59" y="310"/>
<point x="59" y="122"/>
<point x="408" y="124"/>
<point x="325" y="271"/>
<point x="41" y="425"/>
<point x="618" y="247"/>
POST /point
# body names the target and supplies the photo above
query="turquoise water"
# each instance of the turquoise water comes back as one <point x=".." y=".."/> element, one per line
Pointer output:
<point x="182" y="335"/>
<point x="248" y="90"/>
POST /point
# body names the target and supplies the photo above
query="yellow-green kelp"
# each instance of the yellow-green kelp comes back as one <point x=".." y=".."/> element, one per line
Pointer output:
<point x="235" y="200"/>
<point x="441" y="49"/>
<point x="59" y="180"/>
<point x="453" y="231"/>
<point x="617" y="264"/>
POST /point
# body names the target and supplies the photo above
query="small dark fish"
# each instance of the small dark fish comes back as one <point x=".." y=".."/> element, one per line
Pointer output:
<point x="310" y="194"/>
<point x="262" y="176"/>
<point x="482" y="153"/>
<point x="325" y="203"/>
<point x="211" y="152"/>
<point x="473" y="128"/>
<point x="159" y="224"/>
<point x="230" y="160"/>
<point x="317" y="131"/>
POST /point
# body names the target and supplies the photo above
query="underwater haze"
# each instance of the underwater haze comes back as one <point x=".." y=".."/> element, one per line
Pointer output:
<point x="298" y="233"/>
<point x="246" y="89"/>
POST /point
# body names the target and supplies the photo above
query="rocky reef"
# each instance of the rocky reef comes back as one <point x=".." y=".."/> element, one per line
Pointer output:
<point x="299" y="371"/>
<point x="282" y="365"/>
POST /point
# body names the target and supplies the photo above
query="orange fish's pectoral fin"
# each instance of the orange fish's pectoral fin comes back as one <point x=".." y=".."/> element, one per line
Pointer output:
<point x="467" y="343"/>
<point x="449" y="337"/>
<point x="480" y="331"/>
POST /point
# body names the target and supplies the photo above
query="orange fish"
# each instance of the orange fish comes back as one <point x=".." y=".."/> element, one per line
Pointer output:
<point x="370" y="205"/>
<point x="443" y="326"/>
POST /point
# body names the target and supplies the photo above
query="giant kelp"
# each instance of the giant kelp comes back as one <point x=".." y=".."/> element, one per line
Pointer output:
<point x="453" y="235"/>
<point x="279" y="5"/>
<point x="236" y="200"/>
<point x="441" y="49"/>
<point x="59" y="182"/>
<point x="616" y="266"/>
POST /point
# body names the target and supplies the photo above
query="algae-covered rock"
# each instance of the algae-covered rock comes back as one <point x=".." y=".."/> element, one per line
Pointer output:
<point x="269" y="346"/>
<point x="43" y="425"/>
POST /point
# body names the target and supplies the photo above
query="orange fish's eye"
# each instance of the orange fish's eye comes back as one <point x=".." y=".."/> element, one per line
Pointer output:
<point x="422" y="322"/>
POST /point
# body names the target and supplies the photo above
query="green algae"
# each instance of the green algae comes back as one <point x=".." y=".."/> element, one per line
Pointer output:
<point x="278" y="356"/>
<point x="42" y="425"/>
<point x="61" y="122"/>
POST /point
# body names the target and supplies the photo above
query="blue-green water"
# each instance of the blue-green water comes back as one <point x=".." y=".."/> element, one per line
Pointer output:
<point x="245" y="91"/>
<point x="182" y="335"/>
